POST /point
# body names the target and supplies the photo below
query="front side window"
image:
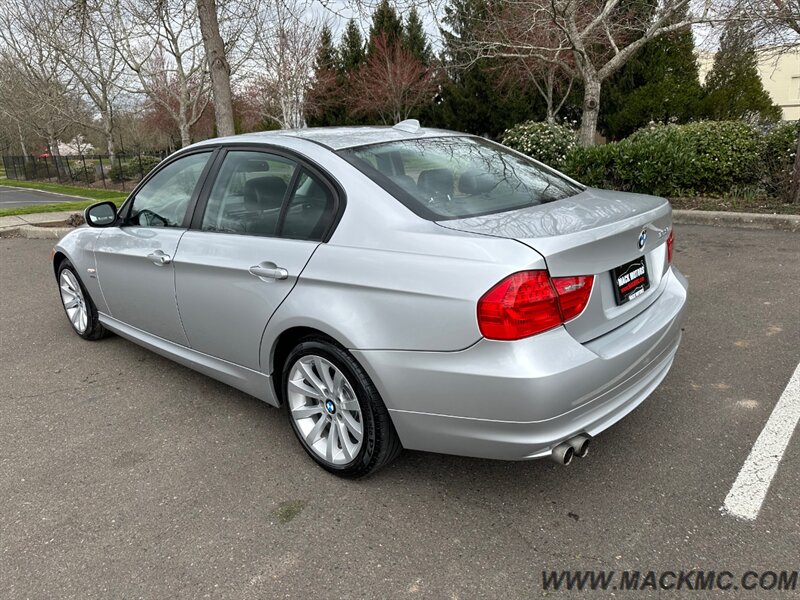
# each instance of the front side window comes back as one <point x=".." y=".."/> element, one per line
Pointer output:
<point x="164" y="199"/>
<point x="458" y="177"/>
<point x="248" y="194"/>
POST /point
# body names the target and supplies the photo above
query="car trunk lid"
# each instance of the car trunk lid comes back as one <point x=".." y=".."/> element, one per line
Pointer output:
<point x="591" y="233"/>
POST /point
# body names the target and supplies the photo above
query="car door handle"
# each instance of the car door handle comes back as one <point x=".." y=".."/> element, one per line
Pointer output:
<point x="158" y="257"/>
<point x="269" y="270"/>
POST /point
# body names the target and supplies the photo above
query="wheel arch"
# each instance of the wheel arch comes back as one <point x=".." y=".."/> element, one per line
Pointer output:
<point x="282" y="346"/>
<point x="58" y="257"/>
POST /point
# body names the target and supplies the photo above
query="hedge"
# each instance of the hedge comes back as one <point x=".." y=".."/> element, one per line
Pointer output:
<point x="549" y="143"/>
<point x="709" y="157"/>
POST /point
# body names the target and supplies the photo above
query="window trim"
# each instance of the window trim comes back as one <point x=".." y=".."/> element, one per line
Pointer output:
<point x="303" y="162"/>
<point x="123" y="214"/>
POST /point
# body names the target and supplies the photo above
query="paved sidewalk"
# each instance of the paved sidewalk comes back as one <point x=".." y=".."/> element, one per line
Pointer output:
<point x="30" y="226"/>
<point x="35" y="219"/>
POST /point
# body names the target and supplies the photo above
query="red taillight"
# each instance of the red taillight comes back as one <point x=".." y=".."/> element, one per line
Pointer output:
<point x="573" y="294"/>
<point x="670" y="245"/>
<point x="531" y="302"/>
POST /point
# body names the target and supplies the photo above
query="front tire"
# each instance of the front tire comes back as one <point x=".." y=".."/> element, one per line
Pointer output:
<point x="78" y="305"/>
<point x="336" y="411"/>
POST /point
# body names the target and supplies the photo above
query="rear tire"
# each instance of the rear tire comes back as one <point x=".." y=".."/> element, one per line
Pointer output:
<point x="335" y="410"/>
<point x="77" y="303"/>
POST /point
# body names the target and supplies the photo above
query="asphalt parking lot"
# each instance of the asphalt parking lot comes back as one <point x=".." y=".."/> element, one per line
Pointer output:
<point x="11" y="197"/>
<point x="125" y="475"/>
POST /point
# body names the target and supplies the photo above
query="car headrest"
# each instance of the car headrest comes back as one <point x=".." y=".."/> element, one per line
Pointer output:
<point x="436" y="182"/>
<point x="405" y="182"/>
<point x="476" y="182"/>
<point x="253" y="165"/>
<point x="264" y="192"/>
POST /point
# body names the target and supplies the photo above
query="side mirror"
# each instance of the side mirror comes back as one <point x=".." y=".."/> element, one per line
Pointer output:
<point x="102" y="214"/>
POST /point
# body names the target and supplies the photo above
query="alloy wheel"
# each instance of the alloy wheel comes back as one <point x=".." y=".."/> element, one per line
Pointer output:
<point x="325" y="409"/>
<point x="74" y="302"/>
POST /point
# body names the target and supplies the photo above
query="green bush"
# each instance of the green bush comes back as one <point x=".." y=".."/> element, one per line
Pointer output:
<point x="134" y="167"/>
<point x="708" y="157"/>
<point x="148" y="163"/>
<point x="549" y="143"/>
<point x="780" y="147"/>
<point x="81" y="174"/>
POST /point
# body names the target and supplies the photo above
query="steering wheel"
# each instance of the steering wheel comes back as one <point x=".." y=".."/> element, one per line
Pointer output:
<point x="151" y="218"/>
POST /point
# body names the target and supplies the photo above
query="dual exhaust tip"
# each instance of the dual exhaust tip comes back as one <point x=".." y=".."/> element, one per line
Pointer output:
<point x="575" y="446"/>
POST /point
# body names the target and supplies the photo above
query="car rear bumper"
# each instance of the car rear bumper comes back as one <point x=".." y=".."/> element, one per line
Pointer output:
<point x="517" y="400"/>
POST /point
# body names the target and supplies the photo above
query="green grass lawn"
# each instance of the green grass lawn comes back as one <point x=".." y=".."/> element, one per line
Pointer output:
<point x="84" y="197"/>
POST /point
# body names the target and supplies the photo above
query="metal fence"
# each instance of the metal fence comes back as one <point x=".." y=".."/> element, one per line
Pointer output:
<point x="123" y="172"/>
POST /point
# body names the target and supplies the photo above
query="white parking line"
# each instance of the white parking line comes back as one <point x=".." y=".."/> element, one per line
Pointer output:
<point x="750" y="488"/>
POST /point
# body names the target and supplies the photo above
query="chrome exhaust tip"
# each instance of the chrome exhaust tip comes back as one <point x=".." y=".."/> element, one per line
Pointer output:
<point x="562" y="454"/>
<point x="580" y="444"/>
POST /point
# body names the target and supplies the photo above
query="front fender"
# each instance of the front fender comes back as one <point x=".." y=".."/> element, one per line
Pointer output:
<point x="78" y="247"/>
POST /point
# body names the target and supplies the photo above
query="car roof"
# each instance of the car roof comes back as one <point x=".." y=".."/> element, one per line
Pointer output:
<point x="334" y="138"/>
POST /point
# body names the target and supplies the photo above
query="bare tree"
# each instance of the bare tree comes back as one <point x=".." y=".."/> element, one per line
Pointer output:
<point x="285" y="42"/>
<point x="391" y="83"/>
<point x="218" y="65"/>
<point x="40" y="95"/>
<point x="587" y="40"/>
<point x="88" y="52"/>
<point x="161" y="44"/>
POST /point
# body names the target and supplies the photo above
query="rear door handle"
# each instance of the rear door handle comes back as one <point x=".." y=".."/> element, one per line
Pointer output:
<point x="269" y="270"/>
<point x="158" y="257"/>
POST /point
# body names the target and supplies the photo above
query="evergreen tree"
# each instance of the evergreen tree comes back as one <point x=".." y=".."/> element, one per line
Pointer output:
<point x="414" y="38"/>
<point x="660" y="84"/>
<point x="351" y="48"/>
<point x="327" y="55"/>
<point x="385" y="22"/>
<point x="474" y="99"/>
<point x="733" y="85"/>
<point x="324" y="104"/>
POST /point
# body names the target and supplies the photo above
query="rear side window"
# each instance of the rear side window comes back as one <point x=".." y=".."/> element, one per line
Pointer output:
<point x="310" y="210"/>
<point x="458" y="177"/>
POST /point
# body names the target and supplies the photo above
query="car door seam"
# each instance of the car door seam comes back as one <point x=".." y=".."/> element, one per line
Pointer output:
<point x="175" y="289"/>
<point x="274" y="312"/>
<point x="97" y="271"/>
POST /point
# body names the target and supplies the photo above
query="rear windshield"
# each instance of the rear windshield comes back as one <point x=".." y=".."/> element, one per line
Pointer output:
<point x="457" y="177"/>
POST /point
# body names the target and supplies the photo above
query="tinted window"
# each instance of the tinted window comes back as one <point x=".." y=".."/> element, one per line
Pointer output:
<point x="310" y="210"/>
<point x="458" y="177"/>
<point x="248" y="194"/>
<point x="163" y="200"/>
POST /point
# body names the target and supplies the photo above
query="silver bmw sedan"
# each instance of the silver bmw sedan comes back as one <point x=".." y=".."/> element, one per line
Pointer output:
<point x="390" y="287"/>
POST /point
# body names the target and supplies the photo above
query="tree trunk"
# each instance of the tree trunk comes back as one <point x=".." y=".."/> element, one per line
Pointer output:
<point x="548" y="96"/>
<point x="52" y="140"/>
<point x="794" y="192"/>
<point x="108" y="130"/>
<point x="22" y="142"/>
<point x="218" y="66"/>
<point x="186" y="136"/>
<point x="591" y="110"/>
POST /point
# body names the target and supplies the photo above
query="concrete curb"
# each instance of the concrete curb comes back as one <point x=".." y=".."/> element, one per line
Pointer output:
<point x="32" y="232"/>
<point x="735" y="219"/>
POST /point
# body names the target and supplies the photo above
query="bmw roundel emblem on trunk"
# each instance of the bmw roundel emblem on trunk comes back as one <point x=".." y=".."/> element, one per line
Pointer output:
<point x="642" y="239"/>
